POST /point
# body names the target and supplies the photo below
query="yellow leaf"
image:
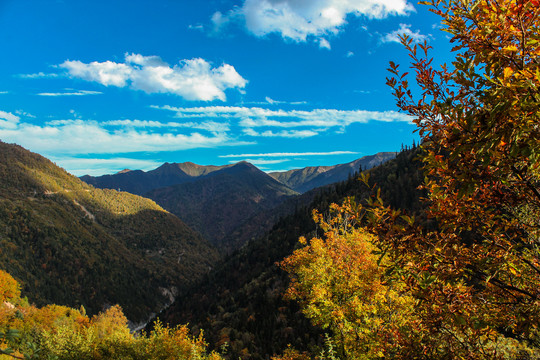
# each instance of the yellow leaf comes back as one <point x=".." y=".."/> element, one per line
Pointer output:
<point x="508" y="72"/>
<point x="510" y="48"/>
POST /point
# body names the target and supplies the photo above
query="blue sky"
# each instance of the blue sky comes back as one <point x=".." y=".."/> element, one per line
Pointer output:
<point x="99" y="86"/>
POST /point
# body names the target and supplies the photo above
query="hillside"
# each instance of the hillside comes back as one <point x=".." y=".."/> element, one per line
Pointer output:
<point x="218" y="203"/>
<point x="308" y="178"/>
<point x="241" y="302"/>
<point x="71" y="244"/>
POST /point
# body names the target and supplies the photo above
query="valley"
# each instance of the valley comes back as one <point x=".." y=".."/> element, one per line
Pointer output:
<point x="61" y="235"/>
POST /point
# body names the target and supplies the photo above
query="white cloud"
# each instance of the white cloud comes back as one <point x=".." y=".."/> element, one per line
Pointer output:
<point x="349" y="54"/>
<point x="288" y="154"/>
<point x="73" y="93"/>
<point x="282" y="133"/>
<point x="4" y="92"/>
<point x="211" y="126"/>
<point x="259" y="117"/>
<point x="96" y="166"/>
<point x="219" y="20"/>
<point x="405" y="29"/>
<point x="317" y="120"/>
<point x="38" y="75"/>
<point x="106" y="73"/>
<point x="297" y="20"/>
<point x="199" y="27"/>
<point x="193" y="79"/>
<point x="24" y="113"/>
<point x="8" y="120"/>
<point x="324" y="44"/>
<point x="91" y="137"/>
<point x="269" y="101"/>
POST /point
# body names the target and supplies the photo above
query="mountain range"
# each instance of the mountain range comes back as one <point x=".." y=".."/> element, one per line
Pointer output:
<point x="218" y="201"/>
<point x="308" y="178"/>
<point x="221" y="201"/>
<point x="140" y="182"/>
<point x="73" y="244"/>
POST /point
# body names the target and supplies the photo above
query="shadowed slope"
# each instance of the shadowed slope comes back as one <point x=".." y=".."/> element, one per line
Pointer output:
<point x="221" y="201"/>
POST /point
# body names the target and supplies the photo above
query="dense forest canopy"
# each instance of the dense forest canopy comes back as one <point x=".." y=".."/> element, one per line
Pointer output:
<point x="474" y="273"/>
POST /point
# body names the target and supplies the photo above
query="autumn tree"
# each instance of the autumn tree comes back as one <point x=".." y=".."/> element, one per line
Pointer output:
<point x="478" y="274"/>
<point x="9" y="288"/>
<point x="338" y="281"/>
<point x="60" y="332"/>
<point x="474" y="268"/>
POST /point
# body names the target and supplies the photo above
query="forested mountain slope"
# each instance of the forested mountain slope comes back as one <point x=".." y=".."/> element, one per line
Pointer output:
<point x="213" y="200"/>
<point x="308" y="178"/>
<point x="218" y="203"/>
<point x="240" y="302"/>
<point x="71" y="244"/>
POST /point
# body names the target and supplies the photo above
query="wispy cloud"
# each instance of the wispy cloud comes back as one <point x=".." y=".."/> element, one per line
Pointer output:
<point x="283" y="133"/>
<point x="72" y="93"/>
<point x="324" y="44"/>
<point x="405" y="29"/>
<point x="91" y="137"/>
<point x="39" y="75"/>
<point x="97" y="166"/>
<point x="199" y="27"/>
<point x="4" y="92"/>
<point x="24" y="113"/>
<point x="251" y="117"/>
<point x="298" y="21"/>
<point x="289" y="154"/>
<point x="269" y="101"/>
<point x="211" y="126"/>
<point x="193" y="79"/>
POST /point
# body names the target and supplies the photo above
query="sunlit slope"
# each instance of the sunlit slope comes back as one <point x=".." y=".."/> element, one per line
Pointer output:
<point x="69" y="243"/>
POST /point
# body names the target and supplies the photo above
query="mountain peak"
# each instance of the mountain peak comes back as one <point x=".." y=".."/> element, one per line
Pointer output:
<point x="245" y="164"/>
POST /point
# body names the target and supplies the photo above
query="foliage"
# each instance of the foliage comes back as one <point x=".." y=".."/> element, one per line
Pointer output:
<point x="59" y="332"/>
<point x="71" y="244"/>
<point x="474" y="269"/>
<point x="477" y="274"/>
<point x="9" y="288"/>
<point x="337" y="280"/>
